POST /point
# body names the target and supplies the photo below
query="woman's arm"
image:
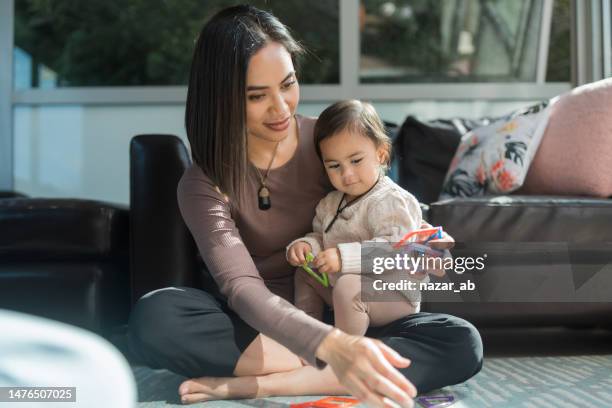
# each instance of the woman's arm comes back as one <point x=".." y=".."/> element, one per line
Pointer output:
<point x="207" y="215"/>
<point x="364" y="366"/>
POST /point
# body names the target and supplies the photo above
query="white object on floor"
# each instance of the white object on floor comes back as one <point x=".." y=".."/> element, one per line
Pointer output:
<point x="37" y="352"/>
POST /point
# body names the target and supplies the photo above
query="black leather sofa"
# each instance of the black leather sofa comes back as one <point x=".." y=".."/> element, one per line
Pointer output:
<point x="163" y="252"/>
<point x="559" y="242"/>
<point x="65" y="259"/>
<point x="85" y="262"/>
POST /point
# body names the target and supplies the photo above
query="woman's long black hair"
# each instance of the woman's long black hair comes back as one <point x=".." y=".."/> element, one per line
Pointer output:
<point x="215" y="114"/>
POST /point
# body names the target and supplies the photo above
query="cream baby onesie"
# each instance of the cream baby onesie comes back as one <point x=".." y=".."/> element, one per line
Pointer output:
<point x="384" y="214"/>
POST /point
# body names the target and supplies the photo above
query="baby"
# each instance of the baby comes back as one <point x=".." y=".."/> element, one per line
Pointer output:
<point x="367" y="206"/>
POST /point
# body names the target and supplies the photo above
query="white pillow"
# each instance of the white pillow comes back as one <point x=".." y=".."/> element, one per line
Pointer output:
<point x="494" y="159"/>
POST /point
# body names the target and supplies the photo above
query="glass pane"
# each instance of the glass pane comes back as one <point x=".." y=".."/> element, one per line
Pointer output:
<point x="64" y="43"/>
<point x="57" y="149"/>
<point x="559" y="64"/>
<point x="450" y="40"/>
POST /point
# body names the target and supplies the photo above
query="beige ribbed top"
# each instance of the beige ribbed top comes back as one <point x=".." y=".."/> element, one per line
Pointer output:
<point x="244" y="247"/>
<point x="384" y="214"/>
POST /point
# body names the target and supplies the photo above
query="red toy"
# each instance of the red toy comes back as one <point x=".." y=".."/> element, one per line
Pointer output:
<point x="328" y="402"/>
<point x="422" y="235"/>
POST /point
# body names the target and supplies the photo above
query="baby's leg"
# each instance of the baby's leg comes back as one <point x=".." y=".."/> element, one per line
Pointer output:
<point x="350" y="313"/>
<point x="310" y="296"/>
<point x="354" y="316"/>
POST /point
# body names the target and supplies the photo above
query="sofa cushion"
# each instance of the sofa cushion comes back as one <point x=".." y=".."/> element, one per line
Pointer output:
<point x="525" y="219"/>
<point x="423" y="151"/>
<point x="11" y="194"/>
<point x="37" y="228"/>
<point x="93" y="295"/>
<point x="495" y="158"/>
<point x="574" y="156"/>
<point x="525" y="314"/>
<point x="537" y="252"/>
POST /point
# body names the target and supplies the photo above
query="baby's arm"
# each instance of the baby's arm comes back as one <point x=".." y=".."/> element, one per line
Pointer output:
<point x="388" y="220"/>
<point x="314" y="238"/>
<point x="306" y="297"/>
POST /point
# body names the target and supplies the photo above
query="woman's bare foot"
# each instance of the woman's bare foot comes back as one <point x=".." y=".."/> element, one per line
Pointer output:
<point x="213" y="388"/>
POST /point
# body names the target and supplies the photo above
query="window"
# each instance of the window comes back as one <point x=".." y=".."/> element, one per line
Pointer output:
<point x="64" y="43"/>
<point x="136" y="51"/>
<point x="559" y="66"/>
<point x="607" y="34"/>
<point x="416" y="41"/>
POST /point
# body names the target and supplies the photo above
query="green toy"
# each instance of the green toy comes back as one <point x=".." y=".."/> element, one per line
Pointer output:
<point x="322" y="278"/>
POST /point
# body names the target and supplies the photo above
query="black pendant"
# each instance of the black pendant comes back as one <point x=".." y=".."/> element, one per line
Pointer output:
<point x="263" y="196"/>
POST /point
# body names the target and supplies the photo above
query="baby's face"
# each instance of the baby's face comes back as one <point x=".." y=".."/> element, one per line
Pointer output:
<point x="352" y="162"/>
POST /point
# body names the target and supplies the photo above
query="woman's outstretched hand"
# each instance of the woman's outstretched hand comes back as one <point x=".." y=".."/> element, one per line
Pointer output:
<point x="365" y="367"/>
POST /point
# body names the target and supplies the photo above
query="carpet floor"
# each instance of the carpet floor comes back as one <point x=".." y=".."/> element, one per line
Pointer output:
<point x="531" y="382"/>
<point x="523" y="367"/>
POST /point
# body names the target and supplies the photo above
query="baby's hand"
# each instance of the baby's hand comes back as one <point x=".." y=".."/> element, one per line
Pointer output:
<point x="297" y="253"/>
<point x="328" y="261"/>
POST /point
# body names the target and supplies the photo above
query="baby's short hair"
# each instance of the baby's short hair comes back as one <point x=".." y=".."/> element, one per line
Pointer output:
<point x="355" y="116"/>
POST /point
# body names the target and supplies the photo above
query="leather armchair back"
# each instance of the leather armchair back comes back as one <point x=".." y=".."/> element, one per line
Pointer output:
<point x="163" y="252"/>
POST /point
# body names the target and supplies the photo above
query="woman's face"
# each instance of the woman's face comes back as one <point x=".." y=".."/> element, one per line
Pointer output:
<point x="352" y="161"/>
<point x="273" y="93"/>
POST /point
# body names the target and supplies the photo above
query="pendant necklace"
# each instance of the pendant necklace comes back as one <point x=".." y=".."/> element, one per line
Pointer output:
<point x="263" y="194"/>
<point x="342" y="207"/>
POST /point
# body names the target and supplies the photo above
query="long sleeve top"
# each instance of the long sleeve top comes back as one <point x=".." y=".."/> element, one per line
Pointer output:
<point x="384" y="214"/>
<point x="244" y="247"/>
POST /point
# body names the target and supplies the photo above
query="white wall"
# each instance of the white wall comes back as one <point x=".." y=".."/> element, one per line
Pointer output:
<point x="83" y="151"/>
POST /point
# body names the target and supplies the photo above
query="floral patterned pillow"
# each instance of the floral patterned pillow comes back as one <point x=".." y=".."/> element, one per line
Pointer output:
<point x="494" y="159"/>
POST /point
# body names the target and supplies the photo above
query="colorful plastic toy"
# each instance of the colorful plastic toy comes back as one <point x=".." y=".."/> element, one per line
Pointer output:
<point x="321" y="278"/>
<point x="422" y="236"/>
<point x="328" y="402"/>
<point x="436" y="401"/>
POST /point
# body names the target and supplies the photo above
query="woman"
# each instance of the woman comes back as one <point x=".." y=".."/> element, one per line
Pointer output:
<point x="252" y="189"/>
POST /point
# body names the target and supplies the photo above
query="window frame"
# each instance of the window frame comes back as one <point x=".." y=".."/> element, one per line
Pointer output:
<point x="606" y="8"/>
<point x="349" y="86"/>
<point x="591" y="60"/>
<point x="591" y="42"/>
<point x="6" y="93"/>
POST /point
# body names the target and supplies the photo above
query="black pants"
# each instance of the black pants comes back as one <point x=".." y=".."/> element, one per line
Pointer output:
<point x="194" y="334"/>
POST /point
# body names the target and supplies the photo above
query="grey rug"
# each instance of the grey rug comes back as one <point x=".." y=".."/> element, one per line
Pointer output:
<point x="531" y="382"/>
